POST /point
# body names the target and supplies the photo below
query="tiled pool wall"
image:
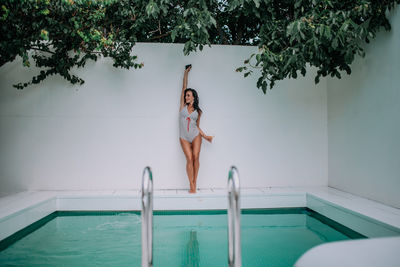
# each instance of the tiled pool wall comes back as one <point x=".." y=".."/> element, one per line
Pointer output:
<point x="16" y="221"/>
<point x="361" y="223"/>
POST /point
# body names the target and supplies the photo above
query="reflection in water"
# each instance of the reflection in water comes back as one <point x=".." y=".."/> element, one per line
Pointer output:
<point x="192" y="258"/>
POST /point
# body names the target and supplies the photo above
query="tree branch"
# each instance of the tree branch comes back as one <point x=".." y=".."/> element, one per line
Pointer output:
<point x="38" y="49"/>
<point x="160" y="36"/>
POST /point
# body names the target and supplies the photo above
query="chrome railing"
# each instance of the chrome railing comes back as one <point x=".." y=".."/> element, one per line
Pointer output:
<point x="234" y="250"/>
<point x="147" y="218"/>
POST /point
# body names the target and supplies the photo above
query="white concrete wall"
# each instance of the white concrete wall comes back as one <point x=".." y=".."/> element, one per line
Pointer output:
<point x="364" y="122"/>
<point x="102" y="134"/>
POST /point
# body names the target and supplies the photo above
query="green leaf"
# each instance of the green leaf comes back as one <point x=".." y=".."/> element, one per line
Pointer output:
<point x="335" y="43"/>
<point x="264" y="87"/>
<point x="258" y="58"/>
<point x="303" y="37"/>
<point x="173" y="35"/>
<point x="303" y="71"/>
<point x="347" y="69"/>
<point x="257" y="3"/>
<point x="213" y="21"/>
<point x="327" y="32"/>
<point x="186" y="12"/>
<point x="290" y="29"/>
<point x="349" y="57"/>
<point x="322" y="30"/>
<point x="152" y="9"/>
<point x="44" y="34"/>
<point x="45" y="11"/>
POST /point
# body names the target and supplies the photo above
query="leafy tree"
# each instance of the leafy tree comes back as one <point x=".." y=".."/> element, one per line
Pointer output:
<point x="62" y="34"/>
<point x="65" y="34"/>
<point x="326" y="34"/>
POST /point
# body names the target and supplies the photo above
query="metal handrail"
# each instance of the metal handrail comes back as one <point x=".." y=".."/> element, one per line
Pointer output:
<point x="147" y="218"/>
<point x="234" y="250"/>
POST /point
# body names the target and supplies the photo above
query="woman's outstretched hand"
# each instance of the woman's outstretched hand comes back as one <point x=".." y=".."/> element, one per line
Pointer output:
<point x="209" y="138"/>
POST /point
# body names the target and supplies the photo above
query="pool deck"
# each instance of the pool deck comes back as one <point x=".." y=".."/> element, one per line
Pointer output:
<point x="19" y="210"/>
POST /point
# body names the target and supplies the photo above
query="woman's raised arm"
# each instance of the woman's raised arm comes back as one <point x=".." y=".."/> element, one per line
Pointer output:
<point x="184" y="86"/>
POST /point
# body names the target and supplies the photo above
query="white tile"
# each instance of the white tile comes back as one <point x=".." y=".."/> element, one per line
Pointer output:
<point x="134" y="193"/>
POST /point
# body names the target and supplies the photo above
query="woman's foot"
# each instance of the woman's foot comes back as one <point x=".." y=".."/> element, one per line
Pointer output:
<point x="192" y="188"/>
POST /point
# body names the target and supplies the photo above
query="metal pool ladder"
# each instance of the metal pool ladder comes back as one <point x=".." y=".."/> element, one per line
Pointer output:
<point x="147" y="218"/>
<point x="234" y="250"/>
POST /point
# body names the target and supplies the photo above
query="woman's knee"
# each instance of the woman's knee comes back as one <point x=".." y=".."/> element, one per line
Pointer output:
<point x="189" y="159"/>
<point x="196" y="156"/>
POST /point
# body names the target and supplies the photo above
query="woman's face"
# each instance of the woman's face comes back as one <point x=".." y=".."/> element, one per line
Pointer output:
<point x="189" y="99"/>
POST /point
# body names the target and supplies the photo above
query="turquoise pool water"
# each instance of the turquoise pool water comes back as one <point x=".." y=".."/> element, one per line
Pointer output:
<point x="269" y="238"/>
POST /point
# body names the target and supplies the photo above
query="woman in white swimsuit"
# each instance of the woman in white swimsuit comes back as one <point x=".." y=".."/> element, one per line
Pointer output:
<point x="189" y="130"/>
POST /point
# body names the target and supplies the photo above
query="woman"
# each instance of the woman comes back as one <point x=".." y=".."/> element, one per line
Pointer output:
<point x="189" y="130"/>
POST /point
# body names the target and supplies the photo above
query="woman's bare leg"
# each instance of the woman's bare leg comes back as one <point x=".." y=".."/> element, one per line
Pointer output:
<point x="196" y="162"/>
<point x="187" y="150"/>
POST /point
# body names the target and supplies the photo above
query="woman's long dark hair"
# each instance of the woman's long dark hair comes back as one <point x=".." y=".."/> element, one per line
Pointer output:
<point x="195" y="101"/>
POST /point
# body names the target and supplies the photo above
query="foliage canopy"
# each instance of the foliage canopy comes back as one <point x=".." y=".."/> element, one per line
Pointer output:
<point x="62" y="34"/>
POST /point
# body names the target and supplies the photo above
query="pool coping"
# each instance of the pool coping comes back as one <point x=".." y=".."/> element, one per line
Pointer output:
<point x="20" y="210"/>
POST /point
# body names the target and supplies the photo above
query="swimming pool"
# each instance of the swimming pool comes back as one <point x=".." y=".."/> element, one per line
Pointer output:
<point x="275" y="237"/>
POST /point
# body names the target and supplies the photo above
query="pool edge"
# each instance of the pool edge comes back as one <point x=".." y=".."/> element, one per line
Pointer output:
<point x="283" y="198"/>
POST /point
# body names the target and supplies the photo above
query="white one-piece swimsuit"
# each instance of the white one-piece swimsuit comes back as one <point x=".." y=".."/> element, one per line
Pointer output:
<point x="188" y="124"/>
